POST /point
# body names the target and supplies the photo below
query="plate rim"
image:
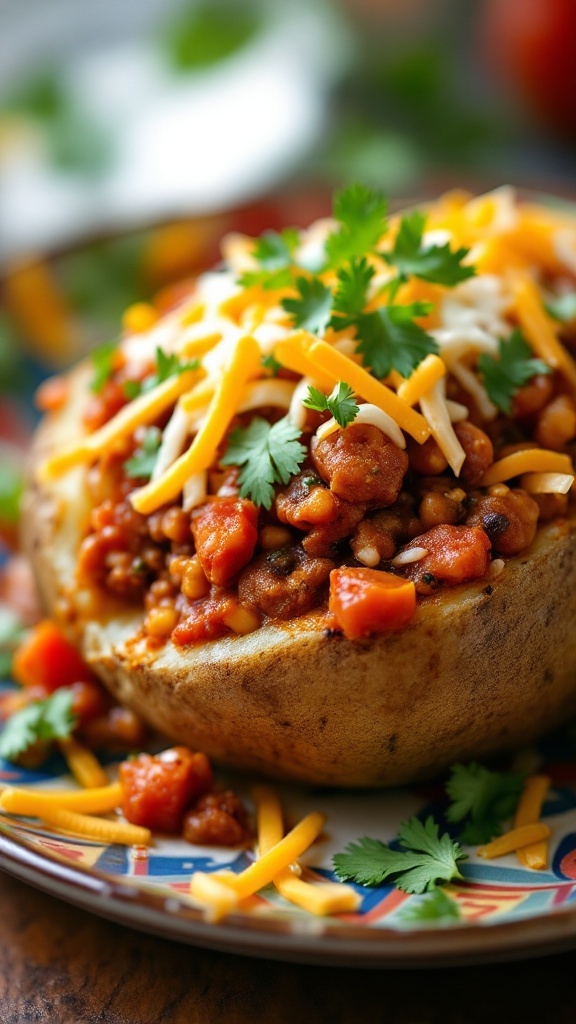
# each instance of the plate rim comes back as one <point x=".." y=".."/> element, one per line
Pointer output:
<point x="294" y="940"/>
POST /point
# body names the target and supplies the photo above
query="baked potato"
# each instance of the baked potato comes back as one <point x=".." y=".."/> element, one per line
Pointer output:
<point x="486" y="659"/>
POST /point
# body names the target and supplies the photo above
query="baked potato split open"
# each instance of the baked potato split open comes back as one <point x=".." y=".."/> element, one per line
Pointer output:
<point x="398" y="435"/>
<point x="482" y="667"/>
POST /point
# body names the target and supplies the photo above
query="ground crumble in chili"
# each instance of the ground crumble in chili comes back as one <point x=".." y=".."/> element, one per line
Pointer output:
<point x="227" y="567"/>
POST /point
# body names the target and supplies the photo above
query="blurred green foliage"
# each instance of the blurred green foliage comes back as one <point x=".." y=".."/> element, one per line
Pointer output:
<point x="208" y="33"/>
<point x="75" y="141"/>
<point x="12" y="374"/>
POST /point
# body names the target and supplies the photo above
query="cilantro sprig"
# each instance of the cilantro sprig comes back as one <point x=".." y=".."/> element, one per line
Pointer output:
<point x="339" y="403"/>
<point x="141" y="465"/>
<point x="11" y="634"/>
<point x="481" y="800"/>
<point x="103" y="360"/>
<point x="273" y="252"/>
<point x="267" y="454"/>
<point x="312" y="308"/>
<point x="361" y="215"/>
<point x="39" y="722"/>
<point x="166" y="366"/>
<point x="435" y="907"/>
<point x="438" y="264"/>
<point x="426" y="859"/>
<point x="390" y="338"/>
<point x="513" y="368"/>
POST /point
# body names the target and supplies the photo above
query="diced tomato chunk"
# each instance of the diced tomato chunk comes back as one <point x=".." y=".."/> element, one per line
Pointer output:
<point x="225" y="534"/>
<point x="52" y="394"/>
<point x="47" y="659"/>
<point x="158" y="788"/>
<point x="455" y="554"/>
<point x="366" y="601"/>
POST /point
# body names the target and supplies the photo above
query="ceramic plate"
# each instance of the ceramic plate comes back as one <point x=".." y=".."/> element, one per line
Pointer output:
<point x="505" y="910"/>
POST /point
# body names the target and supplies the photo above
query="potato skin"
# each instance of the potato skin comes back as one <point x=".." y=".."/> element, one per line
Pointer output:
<point x="482" y="667"/>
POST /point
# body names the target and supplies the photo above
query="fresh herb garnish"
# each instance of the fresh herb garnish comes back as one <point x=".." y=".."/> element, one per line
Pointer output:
<point x="141" y="465"/>
<point x="206" y="33"/>
<point x="271" y="364"/>
<point x="482" y="800"/>
<point x="437" y="906"/>
<point x="11" y="487"/>
<point x="268" y="455"/>
<point x="11" y="634"/>
<point x="361" y="213"/>
<point x="274" y="253"/>
<point x="436" y="263"/>
<point x="340" y="403"/>
<point x="166" y="366"/>
<point x="513" y="368"/>
<point x="351" y="293"/>
<point x="103" y="361"/>
<point x="426" y="860"/>
<point x="312" y="309"/>
<point x="562" y="307"/>
<point x="390" y="339"/>
<point x="41" y="721"/>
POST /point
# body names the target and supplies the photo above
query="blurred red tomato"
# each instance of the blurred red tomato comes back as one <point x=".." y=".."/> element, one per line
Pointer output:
<point x="532" y="43"/>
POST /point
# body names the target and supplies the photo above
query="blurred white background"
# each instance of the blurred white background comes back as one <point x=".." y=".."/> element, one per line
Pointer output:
<point x="113" y="114"/>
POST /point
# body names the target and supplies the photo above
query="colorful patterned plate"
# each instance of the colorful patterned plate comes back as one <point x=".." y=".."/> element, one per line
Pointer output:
<point x="505" y="910"/>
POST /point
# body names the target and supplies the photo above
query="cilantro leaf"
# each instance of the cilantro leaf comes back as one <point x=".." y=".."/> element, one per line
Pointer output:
<point x="166" y="366"/>
<point x="361" y="212"/>
<point x="274" y="252"/>
<point x="43" y="720"/>
<point x="562" y="307"/>
<point x="513" y="368"/>
<point x="268" y="455"/>
<point x="271" y="364"/>
<point x="11" y="488"/>
<point x="390" y="339"/>
<point x="426" y="860"/>
<point x="340" y="403"/>
<point x="482" y="799"/>
<point x="103" y="360"/>
<point x="438" y="906"/>
<point x="436" y="263"/>
<point x="141" y="465"/>
<point x="312" y="309"/>
<point x="351" y="292"/>
<point x="11" y="633"/>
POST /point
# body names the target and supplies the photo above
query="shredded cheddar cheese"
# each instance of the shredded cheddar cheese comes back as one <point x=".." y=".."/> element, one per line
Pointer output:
<point x="529" y="460"/>
<point x="98" y="829"/>
<point x="87" y="801"/>
<point x="426" y="374"/>
<point x="262" y="871"/>
<point x="321" y="899"/>
<point x="526" y="835"/>
<point x="144" y="409"/>
<point x="83" y="764"/>
<point x="330" y="361"/>
<point x="242" y="365"/>
<point x="539" y="330"/>
<point x="534" y="856"/>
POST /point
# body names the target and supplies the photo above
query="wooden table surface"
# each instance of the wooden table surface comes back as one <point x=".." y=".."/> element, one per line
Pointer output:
<point x="64" y="966"/>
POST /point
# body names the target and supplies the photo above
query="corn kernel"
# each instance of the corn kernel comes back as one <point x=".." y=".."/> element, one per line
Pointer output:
<point x="242" y="620"/>
<point x="161" y="621"/>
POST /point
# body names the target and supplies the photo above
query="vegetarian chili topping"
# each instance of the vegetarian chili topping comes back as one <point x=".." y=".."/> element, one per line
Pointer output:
<point x="347" y="418"/>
